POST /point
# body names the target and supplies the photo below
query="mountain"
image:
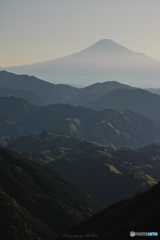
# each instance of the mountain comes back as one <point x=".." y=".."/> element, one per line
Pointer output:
<point x="5" y="76"/>
<point x="18" y="223"/>
<point x="95" y="91"/>
<point x="37" y="90"/>
<point x="152" y="150"/>
<point x="50" y="146"/>
<point x="107" y="172"/>
<point x="154" y="90"/>
<point x="109" y="127"/>
<point x="136" y="100"/>
<point x="5" y="139"/>
<point x="102" y="61"/>
<point x="36" y="202"/>
<point x="27" y="95"/>
<point x="122" y="219"/>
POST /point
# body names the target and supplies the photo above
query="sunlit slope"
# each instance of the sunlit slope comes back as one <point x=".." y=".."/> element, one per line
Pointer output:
<point x="110" y="173"/>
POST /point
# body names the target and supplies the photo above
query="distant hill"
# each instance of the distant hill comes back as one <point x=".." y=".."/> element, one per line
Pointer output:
<point x="99" y="169"/>
<point x="39" y="92"/>
<point x="102" y="61"/>
<point x="36" y="202"/>
<point x="109" y="127"/>
<point x="95" y="91"/>
<point x="136" y="100"/>
<point x="5" y="76"/>
<point x="47" y="92"/>
<point x="138" y="214"/>
<point x="27" y="95"/>
<point x="154" y="90"/>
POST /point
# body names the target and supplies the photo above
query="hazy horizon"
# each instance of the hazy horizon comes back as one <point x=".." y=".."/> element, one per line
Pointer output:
<point x="103" y="61"/>
<point x="39" y="31"/>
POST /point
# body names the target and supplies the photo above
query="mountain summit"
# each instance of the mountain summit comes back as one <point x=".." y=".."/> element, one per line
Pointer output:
<point x="106" y="46"/>
<point x="102" y="61"/>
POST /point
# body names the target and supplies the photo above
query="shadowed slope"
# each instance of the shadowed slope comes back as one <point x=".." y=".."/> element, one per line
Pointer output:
<point x="138" y="214"/>
<point x="46" y="195"/>
<point x="136" y="100"/>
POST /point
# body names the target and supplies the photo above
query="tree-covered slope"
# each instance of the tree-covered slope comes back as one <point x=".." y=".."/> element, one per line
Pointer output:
<point x="47" y="196"/>
<point x="17" y="223"/>
<point x="151" y="150"/>
<point x="95" y="91"/>
<point x="5" y="139"/>
<point x="47" y="92"/>
<point x="139" y="214"/>
<point x="110" y="173"/>
<point x="136" y="100"/>
<point x="108" y="127"/>
<point x="30" y="96"/>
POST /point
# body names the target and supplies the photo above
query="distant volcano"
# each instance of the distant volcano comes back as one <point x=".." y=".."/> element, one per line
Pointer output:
<point x="102" y="61"/>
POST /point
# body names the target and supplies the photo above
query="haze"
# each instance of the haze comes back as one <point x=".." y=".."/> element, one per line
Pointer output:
<point x="36" y="31"/>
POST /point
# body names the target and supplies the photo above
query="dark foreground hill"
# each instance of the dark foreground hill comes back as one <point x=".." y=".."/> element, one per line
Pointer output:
<point x="109" y="127"/>
<point x="138" y="214"/>
<point x="37" y="203"/>
<point x="109" y="173"/>
<point x="136" y="100"/>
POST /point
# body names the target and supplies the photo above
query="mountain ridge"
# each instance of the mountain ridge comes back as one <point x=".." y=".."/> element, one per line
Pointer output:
<point x="108" y="127"/>
<point x="133" y="99"/>
<point x="94" y="63"/>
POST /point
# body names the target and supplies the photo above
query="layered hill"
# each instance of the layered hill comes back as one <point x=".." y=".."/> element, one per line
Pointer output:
<point x="109" y="127"/>
<point x="36" y="202"/>
<point x="137" y="214"/>
<point x="95" y="91"/>
<point x="104" y="60"/>
<point x="109" y="173"/>
<point x="37" y="90"/>
<point x="136" y="100"/>
<point x="98" y="96"/>
<point x="30" y="96"/>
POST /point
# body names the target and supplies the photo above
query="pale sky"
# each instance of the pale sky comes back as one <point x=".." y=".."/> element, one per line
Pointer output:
<point x="39" y="30"/>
